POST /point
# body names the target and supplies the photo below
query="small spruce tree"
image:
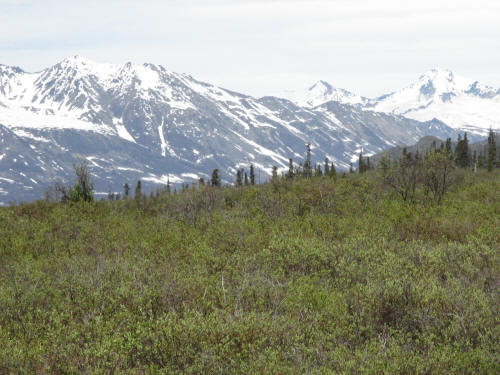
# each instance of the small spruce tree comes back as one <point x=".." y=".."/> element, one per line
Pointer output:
<point x="318" y="171"/>
<point x="275" y="173"/>
<point x="361" y="163"/>
<point x="290" y="175"/>
<point x="462" y="159"/>
<point x="215" y="181"/>
<point x="138" y="190"/>
<point x="327" y="167"/>
<point x="447" y="147"/>
<point x="252" y="174"/>
<point x="239" y="177"/>
<point x="333" y="172"/>
<point x="307" y="163"/>
<point x="492" y="151"/>
<point x="126" y="190"/>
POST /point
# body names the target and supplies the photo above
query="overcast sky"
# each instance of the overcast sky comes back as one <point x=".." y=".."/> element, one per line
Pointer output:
<point x="263" y="47"/>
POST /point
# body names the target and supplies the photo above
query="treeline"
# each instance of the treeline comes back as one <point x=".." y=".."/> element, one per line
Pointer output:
<point x="432" y="171"/>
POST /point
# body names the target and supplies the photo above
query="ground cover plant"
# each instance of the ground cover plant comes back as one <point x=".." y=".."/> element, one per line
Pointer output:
<point x="320" y="275"/>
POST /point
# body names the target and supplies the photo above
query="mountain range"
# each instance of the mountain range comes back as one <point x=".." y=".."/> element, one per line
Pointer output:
<point x="461" y="103"/>
<point x="142" y="121"/>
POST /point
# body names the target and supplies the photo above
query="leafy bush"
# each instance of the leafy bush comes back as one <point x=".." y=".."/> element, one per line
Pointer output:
<point x="314" y="275"/>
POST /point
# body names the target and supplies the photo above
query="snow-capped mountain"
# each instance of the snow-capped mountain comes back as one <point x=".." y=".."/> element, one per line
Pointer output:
<point x="145" y="122"/>
<point x="461" y="103"/>
<point x="322" y="92"/>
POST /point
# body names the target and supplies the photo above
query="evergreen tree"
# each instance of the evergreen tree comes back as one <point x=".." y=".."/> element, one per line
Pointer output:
<point x="467" y="154"/>
<point x="275" y="173"/>
<point x="492" y="150"/>
<point x="480" y="160"/>
<point x="368" y="165"/>
<point x="126" y="190"/>
<point x="327" y="167"/>
<point x="290" y="173"/>
<point x="351" y="170"/>
<point x="318" y="172"/>
<point x="361" y="163"/>
<point x="447" y="147"/>
<point x="201" y="182"/>
<point x="168" y="186"/>
<point x="215" y="181"/>
<point x="462" y="158"/>
<point x="138" y="190"/>
<point x="252" y="175"/>
<point x="458" y="149"/>
<point x="246" y="179"/>
<point x="307" y="163"/>
<point x="333" y="172"/>
<point x="239" y="177"/>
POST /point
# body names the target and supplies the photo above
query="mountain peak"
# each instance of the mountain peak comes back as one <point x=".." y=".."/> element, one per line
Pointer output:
<point x="322" y="92"/>
<point x="321" y="85"/>
<point x="439" y="75"/>
<point x="439" y="72"/>
<point x="75" y="60"/>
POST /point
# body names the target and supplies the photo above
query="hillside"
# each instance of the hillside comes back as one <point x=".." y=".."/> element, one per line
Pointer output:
<point x="326" y="275"/>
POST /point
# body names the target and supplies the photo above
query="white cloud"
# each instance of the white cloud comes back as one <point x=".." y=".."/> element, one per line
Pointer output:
<point x="263" y="47"/>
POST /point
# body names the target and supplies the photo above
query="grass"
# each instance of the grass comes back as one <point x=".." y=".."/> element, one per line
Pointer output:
<point x="313" y="276"/>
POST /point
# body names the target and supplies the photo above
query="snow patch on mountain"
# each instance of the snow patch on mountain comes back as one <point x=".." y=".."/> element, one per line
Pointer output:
<point x="122" y="130"/>
<point x="37" y="119"/>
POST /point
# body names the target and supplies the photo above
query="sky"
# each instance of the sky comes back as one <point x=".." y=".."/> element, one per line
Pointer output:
<point x="263" y="47"/>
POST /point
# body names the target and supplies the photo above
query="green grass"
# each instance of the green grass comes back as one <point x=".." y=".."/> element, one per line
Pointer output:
<point x="315" y="276"/>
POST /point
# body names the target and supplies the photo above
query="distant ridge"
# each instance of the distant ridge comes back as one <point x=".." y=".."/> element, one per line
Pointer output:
<point x="461" y="103"/>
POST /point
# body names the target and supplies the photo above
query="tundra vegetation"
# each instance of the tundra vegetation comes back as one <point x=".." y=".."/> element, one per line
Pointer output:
<point x="389" y="271"/>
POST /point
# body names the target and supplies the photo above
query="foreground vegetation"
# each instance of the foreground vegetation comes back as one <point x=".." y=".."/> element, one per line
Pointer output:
<point x="321" y="275"/>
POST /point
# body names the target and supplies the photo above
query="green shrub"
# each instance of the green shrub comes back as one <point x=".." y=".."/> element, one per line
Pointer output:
<point x="311" y="276"/>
